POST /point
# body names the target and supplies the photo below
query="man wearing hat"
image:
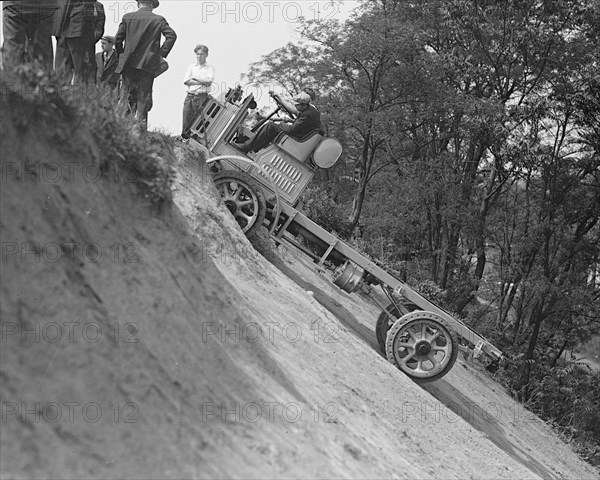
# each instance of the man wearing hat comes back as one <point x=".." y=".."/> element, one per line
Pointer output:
<point x="141" y="58"/>
<point x="307" y="120"/>
<point x="106" y="62"/>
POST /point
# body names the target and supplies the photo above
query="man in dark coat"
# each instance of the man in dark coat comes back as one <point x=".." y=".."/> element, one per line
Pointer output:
<point x="79" y="24"/>
<point x="106" y="62"/>
<point x="27" y="31"/>
<point x="140" y="58"/>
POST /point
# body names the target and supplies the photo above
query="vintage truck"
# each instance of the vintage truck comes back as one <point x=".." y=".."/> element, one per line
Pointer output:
<point x="264" y="188"/>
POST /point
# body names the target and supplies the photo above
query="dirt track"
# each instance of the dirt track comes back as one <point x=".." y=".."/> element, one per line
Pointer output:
<point x="465" y="402"/>
<point x="236" y="371"/>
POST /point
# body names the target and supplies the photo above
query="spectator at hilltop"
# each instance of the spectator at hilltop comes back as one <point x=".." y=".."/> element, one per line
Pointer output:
<point x="141" y="58"/>
<point x="198" y="81"/>
<point x="79" y="24"/>
<point x="27" y="31"/>
<point x="106" y="62"/>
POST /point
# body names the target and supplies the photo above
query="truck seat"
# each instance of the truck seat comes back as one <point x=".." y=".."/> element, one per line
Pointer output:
<point x="300" y="149"/>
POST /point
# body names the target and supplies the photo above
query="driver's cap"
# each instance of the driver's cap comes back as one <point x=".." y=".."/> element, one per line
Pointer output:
<point x="302" y="97"/>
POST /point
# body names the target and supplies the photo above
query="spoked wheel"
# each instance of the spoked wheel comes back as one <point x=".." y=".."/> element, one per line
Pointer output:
<point x="422" y="345"/>
<point x="385" y="321"/>
<point x="243" y="198"/>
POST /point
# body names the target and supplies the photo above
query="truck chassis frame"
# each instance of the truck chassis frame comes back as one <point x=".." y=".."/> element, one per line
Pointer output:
<point x="416" y="335"/>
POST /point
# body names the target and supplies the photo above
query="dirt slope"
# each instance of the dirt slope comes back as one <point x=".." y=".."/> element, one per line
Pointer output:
<point x="157" y="343"/>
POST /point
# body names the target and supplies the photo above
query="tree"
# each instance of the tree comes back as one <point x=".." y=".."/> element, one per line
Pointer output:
<point x="291" y="67"/>
<point x="496" y="56"/>
<point x="368" y="87"/>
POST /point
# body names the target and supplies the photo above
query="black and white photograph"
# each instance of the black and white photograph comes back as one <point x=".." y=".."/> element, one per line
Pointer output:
<point x="300" y="239"/>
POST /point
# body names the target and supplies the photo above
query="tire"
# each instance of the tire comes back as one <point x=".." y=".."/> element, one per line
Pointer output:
<point x="411" y="341"/>
<point x="383" y="322"/>
<point x="243" y="198"/>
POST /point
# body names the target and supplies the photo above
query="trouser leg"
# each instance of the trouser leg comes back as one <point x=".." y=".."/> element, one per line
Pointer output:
<point x="187" y="112"/>
<point x="15" y="37"/>
<point x="63" y="63"/>
<point x="191" y="108"/>
<point x="129" y="89"/>
<point x="144" y="96"/>
<point x="263" y="137"/>
<point x="78" y="50"/>
<point x="89" y="56"/>
<point x="39" y="33"/>
<point x="137" y="88"/>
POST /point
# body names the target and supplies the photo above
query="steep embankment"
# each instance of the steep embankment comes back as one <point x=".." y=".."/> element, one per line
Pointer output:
<point x="147" y="342"/>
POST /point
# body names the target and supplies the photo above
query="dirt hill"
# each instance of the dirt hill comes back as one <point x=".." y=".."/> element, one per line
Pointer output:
<point x="145" y="341"/>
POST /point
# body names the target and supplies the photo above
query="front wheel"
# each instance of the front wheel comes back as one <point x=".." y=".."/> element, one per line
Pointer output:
<point x="243" y="198"/>
<point x="422" y="345"/>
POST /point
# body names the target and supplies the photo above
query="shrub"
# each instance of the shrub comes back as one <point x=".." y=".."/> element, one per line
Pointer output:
<point x="567" y="395"/>
<point x="38" y="99"/>
<point x="322" y="209"/>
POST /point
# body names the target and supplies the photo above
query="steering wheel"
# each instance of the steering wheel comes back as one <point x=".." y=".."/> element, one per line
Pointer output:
<point x="281" y="105"/>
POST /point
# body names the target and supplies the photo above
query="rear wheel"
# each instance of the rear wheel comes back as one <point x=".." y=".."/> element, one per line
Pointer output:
<point x="385" y="321"/>
<point x="243" y="198"/>
<point x="422" y="345"/>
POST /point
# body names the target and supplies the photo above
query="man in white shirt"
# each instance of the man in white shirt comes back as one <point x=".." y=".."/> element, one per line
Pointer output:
<point x="198" y="81"/>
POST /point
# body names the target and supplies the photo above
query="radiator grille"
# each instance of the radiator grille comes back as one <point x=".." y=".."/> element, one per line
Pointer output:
<point x="285" y="175"/>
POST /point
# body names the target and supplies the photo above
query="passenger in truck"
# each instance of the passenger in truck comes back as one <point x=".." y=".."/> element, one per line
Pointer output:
<point x="308" y="119"/>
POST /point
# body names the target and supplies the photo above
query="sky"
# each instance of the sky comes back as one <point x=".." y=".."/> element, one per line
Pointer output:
<point x="237" y="33"/>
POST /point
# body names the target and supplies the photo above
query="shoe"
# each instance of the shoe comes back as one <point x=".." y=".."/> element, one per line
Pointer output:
<point x="242" y="147"/>
<point x="241" y="138"/>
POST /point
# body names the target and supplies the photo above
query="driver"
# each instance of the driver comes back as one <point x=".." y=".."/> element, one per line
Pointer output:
<point x="307" y="120"/>
<point x="289" y="106"/>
